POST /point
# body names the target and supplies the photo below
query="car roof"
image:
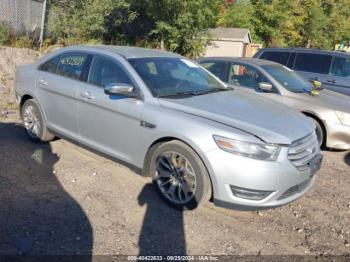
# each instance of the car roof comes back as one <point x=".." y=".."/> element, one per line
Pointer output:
<point x="245" y="60"/>
<point x="305" y="50"/>
<point x="127" y="52"/>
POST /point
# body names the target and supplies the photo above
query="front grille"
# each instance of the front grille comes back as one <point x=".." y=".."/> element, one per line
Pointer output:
<point x="302" y="151"/>
<point x="295" y="189"/>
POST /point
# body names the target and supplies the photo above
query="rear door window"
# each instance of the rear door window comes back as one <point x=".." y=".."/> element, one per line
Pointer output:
<point x="278" y="57"/>
<point x="340" y="66"/>
<point x="71" y="65"/>
<point x="218" y="68"/>
<point x="314" y="63"/>
<point x="51" y="65"/>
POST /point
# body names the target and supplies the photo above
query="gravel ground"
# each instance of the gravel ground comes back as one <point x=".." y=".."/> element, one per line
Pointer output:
<point x="59" y="198"/>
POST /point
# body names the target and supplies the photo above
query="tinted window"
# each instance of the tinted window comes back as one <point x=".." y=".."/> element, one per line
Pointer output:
<point x="290" y="63"/>
<point x="288" y="78"/>
<point x="246" y="76"/>
<point x="71" y="65"/>
<point x="278" y="57"/>
<point x="340" y="66"/>
<point x="105" y="71"/>
<point x="51" y="65"/>
<point x="218" y="68"/>
<point x="315" y="63"/>
<point x="175" y="76"/>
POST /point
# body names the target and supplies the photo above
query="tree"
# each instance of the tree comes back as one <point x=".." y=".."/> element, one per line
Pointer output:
<point x="180" y="24"/>
<point x="86" y="20"/>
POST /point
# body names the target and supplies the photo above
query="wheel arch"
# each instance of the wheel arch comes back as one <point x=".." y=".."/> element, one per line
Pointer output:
<point x="24" y="98"/>
<point x="318" y="119"/>
<point x="165" y="139"/>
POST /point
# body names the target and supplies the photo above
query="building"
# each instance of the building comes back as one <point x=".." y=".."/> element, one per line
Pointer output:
<point x="24" y="16"/>
<point x="235" y="42"/>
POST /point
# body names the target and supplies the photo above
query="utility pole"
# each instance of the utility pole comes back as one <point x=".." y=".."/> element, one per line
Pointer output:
<point x="42" y="29"/>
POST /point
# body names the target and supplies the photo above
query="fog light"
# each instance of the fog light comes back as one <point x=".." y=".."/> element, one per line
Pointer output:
<point x="249" y="194"/>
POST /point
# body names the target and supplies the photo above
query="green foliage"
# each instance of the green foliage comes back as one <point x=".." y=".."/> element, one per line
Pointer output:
<point x="76" y="21"/>
<point x="178" y="24"/>
<point x="181" y="25"/>
<point x="298" y="23"/>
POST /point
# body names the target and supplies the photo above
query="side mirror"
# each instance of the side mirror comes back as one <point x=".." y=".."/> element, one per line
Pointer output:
<point x="120" y="89"/>
<point x="267" y="87"/>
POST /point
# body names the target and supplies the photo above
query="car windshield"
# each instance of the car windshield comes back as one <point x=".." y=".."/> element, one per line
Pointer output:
<point x="288" y="78"/>
<point x="171" y="77"/>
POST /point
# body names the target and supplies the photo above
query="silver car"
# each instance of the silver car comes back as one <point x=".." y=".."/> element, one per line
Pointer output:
<point x="330" y="111"/>
<point x="160" y="112"/>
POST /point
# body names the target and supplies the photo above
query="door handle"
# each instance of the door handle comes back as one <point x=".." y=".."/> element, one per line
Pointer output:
<point x="42" y="82"/>
<point x="314" y="79"/>
<point x="86" y="95"/>
<point x="332" y="81"/>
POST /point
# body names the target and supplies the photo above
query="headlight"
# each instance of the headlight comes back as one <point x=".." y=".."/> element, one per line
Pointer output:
<point x="343" y="117"/>
<point x="258" y="151"/>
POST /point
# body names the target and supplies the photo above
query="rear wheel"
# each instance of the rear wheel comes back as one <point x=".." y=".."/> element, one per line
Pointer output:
<point x="179" y="175"/>
<point x="34" y="123"/>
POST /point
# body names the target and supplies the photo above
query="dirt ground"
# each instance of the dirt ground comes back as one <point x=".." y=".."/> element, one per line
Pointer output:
<point x="59" y="198"/>
<point x="62" y="199"/>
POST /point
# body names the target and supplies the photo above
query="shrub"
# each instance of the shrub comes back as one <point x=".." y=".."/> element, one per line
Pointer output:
<point x="5" y="33"/>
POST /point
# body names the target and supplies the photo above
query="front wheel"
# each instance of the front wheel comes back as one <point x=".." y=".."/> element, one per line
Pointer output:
<point x="179" y="175"/>
<point x="34" y="123"/>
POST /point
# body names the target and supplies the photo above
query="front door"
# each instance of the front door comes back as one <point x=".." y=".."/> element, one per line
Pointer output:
<point x="247" y="78"/>
<point x="110" y="124"/>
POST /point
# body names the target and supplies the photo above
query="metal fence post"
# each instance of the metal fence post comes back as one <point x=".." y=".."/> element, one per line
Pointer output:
<point x="42" y="25"/>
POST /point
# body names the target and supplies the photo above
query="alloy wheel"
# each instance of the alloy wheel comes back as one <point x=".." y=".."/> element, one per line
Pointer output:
<point x="175" y="177"/>
<point x="31" y="121"/>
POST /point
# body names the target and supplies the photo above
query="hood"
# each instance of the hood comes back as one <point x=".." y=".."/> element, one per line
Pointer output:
<point x="326" y="98"/>
<point x="270" y="121"/>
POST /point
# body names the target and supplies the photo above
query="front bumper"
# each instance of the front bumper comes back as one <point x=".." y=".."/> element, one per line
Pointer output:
<point x="281" y="177"/>
<point x="338" y="136"/>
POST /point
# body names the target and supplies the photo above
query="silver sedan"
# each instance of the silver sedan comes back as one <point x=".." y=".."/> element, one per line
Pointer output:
<point x="330" y="111"/>
<point x="162" y="113"/>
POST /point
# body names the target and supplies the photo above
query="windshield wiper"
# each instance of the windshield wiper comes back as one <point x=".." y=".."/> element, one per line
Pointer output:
<point x="178" y="94"/>
<point x="214" y="90"/>
<point x="195" y="93"/>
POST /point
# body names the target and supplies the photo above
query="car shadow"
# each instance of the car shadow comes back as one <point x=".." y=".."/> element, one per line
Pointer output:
<point x="37" y="216"/>
<point x="347" y="158"/>
<point x="163" y="227"/>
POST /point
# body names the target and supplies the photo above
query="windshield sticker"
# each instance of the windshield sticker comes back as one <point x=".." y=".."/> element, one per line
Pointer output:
<point x="189" y="63"/>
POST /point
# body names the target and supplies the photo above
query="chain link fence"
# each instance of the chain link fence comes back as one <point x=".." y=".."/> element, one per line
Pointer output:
<point x="23" y="16"/>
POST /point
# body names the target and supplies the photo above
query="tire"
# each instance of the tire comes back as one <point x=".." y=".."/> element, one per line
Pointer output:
<point x="319" y="132"/>
<point x="34" y="123"/>
<point x="179" y="175"/>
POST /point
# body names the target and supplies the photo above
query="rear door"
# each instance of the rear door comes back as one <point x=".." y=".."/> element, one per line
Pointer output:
<point x="339" y="77"/>
<point x="313" y="67"/>
<point x="57" y="83"/>
<point x="281" y="57"/>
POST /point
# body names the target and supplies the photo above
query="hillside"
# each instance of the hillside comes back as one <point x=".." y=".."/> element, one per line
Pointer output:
<point x="9" y="59"/>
